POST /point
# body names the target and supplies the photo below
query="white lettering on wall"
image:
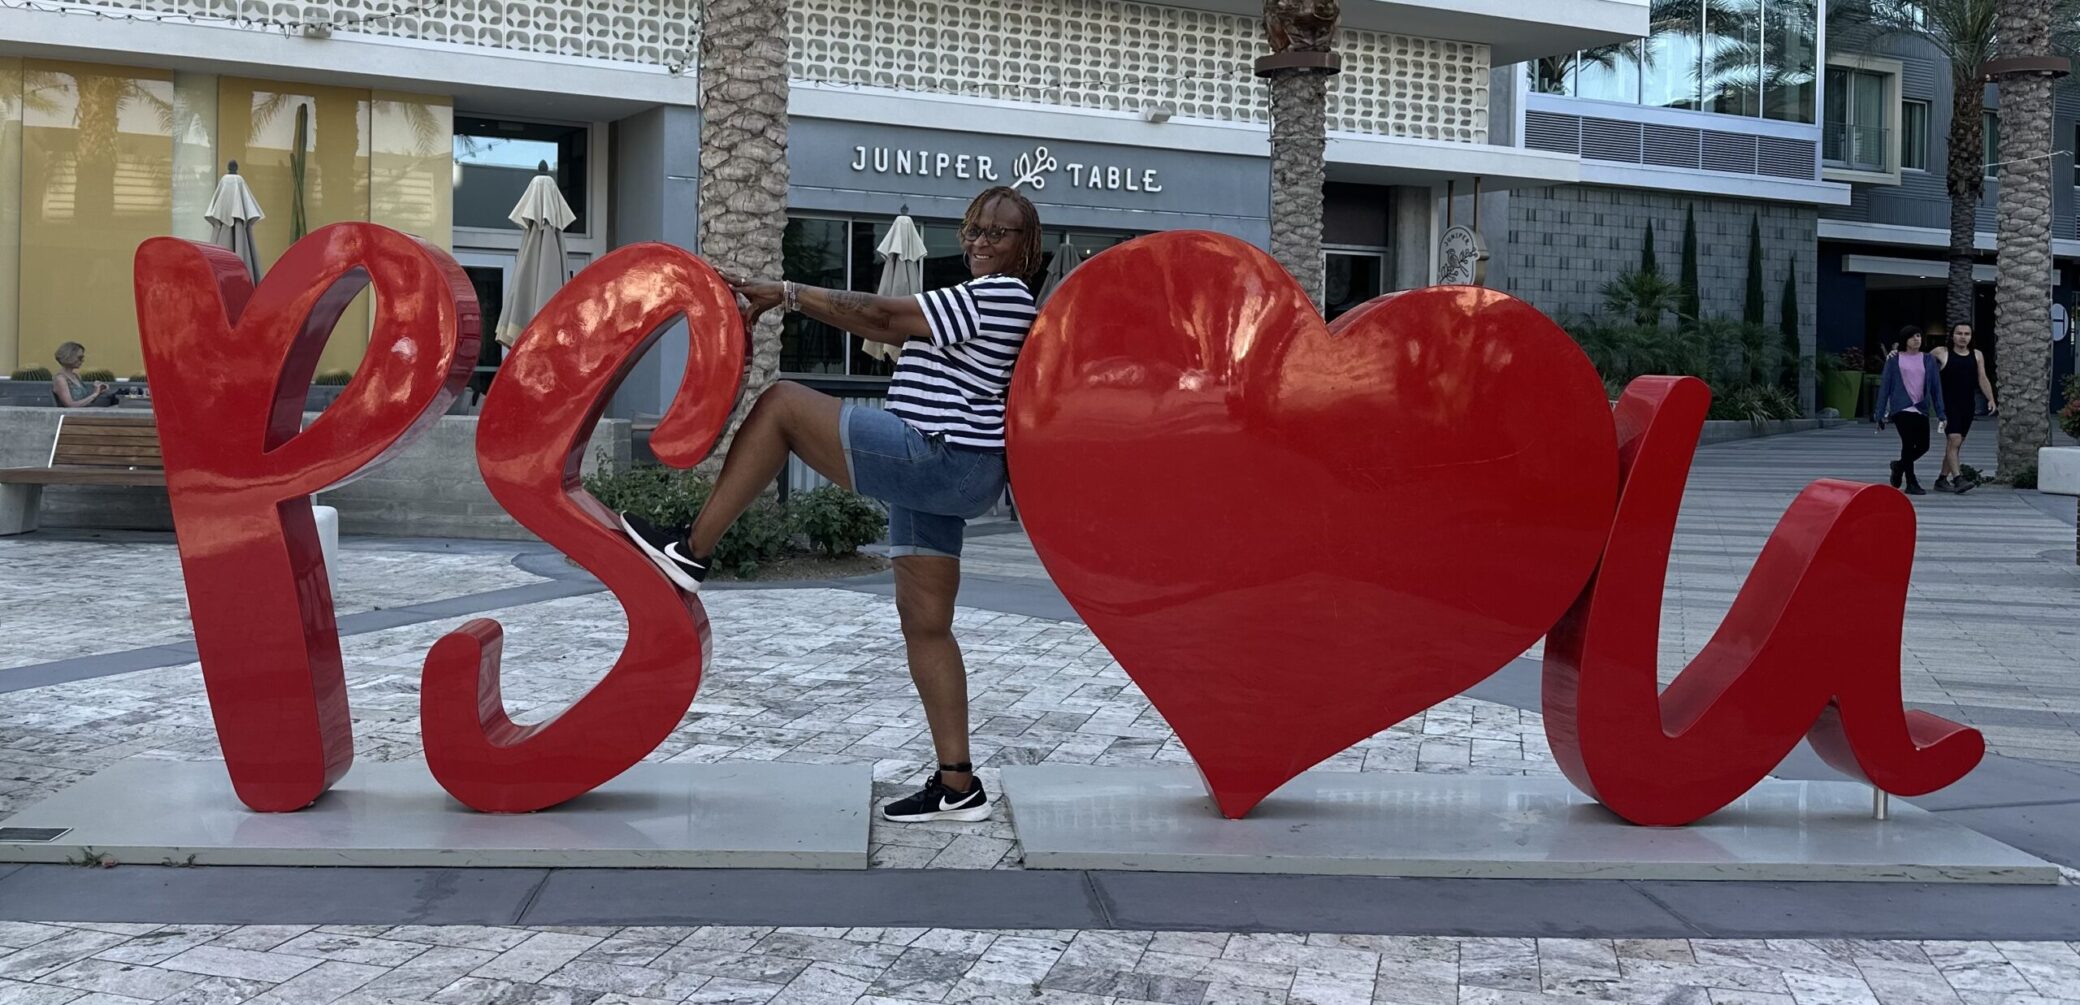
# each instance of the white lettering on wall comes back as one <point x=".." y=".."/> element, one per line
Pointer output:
<point x="1032" y="169"/>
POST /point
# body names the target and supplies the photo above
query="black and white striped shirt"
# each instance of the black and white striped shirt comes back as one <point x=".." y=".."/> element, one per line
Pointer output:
<point x="954" y="383"/>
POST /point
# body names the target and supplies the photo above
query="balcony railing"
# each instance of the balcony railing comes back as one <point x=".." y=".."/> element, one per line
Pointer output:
<point x="1857" y="148"/>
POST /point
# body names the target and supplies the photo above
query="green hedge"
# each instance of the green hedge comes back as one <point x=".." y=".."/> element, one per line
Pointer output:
<point x="829" y="520"/>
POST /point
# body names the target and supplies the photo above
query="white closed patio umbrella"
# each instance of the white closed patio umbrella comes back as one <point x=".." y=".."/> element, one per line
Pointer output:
<point x="540" y="270"/>
<point x="902" y="273"/>
<point x="1066" y="257"/>
<point x="231" y="215"/>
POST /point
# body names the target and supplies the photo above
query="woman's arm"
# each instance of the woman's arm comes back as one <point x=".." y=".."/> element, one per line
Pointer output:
<point x="1986" y="386"/>
<point x="894" y="320"/>
<point x="64" y="392"/>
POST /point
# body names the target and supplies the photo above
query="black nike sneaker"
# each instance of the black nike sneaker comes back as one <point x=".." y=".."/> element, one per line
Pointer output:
<point x="666" y="546"/>
<point x="937" y="802"/>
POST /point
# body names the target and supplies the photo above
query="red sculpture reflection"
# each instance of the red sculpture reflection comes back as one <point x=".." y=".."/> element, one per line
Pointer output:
<point x="531" y="439"/>
<point x="230" y="367"/>
<point x="1810" y="647"/>
<point x="1293" y="536"/>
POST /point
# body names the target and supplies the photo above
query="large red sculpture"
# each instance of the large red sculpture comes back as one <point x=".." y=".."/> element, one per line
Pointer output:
<point x="531" y="438"/>
<point x="1294" y="536"/>
<point x="1291" y="535"/>
<point x="1810" y="648"/>
<point x="230" y="367"/>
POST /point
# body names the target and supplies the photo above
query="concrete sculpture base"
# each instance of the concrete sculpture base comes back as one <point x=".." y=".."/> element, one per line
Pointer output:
<point x="739" y="815"/>
<point x="1379" y="824"/>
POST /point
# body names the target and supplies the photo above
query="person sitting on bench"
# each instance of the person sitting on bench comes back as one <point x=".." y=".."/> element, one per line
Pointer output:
<point x="69" y="389"/>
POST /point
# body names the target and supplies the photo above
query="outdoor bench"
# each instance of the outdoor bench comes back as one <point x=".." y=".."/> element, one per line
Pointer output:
<point x="87" y="450"/>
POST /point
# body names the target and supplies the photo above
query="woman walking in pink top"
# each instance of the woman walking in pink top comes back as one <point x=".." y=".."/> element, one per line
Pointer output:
<point x="1909" y="396"/>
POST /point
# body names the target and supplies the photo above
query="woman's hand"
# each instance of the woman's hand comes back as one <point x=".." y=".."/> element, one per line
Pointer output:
<point x="1992" y="407"/>
<point x="760" y="296"/>
<point x="100" y="388"/>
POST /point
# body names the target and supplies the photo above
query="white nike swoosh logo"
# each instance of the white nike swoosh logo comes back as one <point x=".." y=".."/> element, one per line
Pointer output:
<point x="945" y="806"/>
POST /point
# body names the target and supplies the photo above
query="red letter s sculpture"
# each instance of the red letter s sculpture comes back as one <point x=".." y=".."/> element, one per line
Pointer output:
<point x="230" y="366"/>
<point x="530" y="440"/>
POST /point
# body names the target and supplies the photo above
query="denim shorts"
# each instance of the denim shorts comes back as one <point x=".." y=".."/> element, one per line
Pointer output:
<point x="932" y="489"/>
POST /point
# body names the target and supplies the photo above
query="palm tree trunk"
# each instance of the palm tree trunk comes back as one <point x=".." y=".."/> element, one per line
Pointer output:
<point x="2022" y="300"/>
<point x="1299" y="102"/>
<point x="1967" y="184"/>
<point x="743" y="184"/>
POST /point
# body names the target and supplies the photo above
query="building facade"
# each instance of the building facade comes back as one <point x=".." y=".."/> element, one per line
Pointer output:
<point x="1884" y="255"/>
<point x="1715" y="115"/>
<point x="1118" y="118"/>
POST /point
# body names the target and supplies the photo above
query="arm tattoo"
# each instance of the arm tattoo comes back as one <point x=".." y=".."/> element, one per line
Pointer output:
<point x="851" y="302"/>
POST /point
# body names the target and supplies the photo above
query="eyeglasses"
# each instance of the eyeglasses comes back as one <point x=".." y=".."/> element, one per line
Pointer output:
<point x="992" y="235"/>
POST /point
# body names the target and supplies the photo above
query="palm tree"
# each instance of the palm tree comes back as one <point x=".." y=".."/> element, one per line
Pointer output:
<point x="1302" y="34"/>
<point x="2021" y="320"/>
<point x="743" y="184"/>
<point x="1964" y="32"/>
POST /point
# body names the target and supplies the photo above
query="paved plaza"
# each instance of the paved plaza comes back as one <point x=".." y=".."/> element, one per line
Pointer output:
<point x="98" y="670"/>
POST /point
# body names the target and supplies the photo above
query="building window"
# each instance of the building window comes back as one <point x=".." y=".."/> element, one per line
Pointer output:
<point x="1753" y="58"/>
<point x="1990" y="144"/>
<point x="496" y="158"/>
<point x="1913" y="135"/>
<point x="1351" y="279"/>
<point x="839" y="253"/>
<point x="1854" y="136"/>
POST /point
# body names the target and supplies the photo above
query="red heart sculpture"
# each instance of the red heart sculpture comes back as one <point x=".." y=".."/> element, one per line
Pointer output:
<point x="1292" y="535"/>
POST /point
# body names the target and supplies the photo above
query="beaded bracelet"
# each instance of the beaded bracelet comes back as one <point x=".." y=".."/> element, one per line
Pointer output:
<point x="792" y="296"/>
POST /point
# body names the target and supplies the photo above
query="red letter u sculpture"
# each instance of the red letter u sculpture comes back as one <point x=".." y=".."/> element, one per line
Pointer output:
<point x="230" y="366"/>
<point x="1810" y="647"/>
<point x="530" y="440"/>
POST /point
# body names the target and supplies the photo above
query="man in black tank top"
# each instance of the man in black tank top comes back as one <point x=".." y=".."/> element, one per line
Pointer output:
<point x="1964" y="379"/>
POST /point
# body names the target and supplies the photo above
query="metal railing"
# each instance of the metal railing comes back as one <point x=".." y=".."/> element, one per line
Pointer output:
<point x="1857" y="148"/>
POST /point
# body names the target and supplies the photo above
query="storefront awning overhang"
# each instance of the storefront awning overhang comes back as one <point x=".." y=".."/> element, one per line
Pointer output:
<point x="1912" y="268"/>
<point x="1374" y="160"/>
<point x="1514" y="30"/>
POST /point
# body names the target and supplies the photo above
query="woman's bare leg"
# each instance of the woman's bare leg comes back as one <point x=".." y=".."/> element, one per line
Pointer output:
<point x="925" y="589"/>
<point x="788" y="419"/>
<point x="1952" y="445"/>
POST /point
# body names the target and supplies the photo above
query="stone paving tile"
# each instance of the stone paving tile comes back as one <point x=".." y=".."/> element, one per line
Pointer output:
<point x="862" y="966"/>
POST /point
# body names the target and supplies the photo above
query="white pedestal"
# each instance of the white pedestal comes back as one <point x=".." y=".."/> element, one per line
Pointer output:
<point x="1160" y="819"/>
<point x="328" y="540"/>
<point x="2058" y="470"/>
<point x="738" y="814"/>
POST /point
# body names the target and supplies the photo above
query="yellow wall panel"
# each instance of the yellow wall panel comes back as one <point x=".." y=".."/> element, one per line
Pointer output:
<point x="97" y="180"/>
<point x="257" y="126"/>
<point x="10" y="211"/>
<point x="412" y="165"/>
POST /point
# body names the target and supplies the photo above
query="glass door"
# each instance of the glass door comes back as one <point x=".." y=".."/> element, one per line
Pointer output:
<point x="489" y="272"/>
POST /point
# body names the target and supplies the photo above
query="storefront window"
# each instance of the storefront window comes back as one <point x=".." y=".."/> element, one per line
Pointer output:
<point x="1352" y="278"/>
<point x="841" y="254"/>
<point x="496" y="158"/>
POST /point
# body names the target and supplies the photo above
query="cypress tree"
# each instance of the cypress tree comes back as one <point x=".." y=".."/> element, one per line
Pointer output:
<point x="1692" y="305"/>
<point x="1647" y="264"/>
<point x="1787" y="322"/>
<point x="1755" y="310"/>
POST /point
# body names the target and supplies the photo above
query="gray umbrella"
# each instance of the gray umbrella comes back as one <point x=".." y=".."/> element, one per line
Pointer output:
<point x="231" y="215"/>
<point x="902" y="274"/>
<point x="1066" y="257"/>
<point x="540" y="270"/>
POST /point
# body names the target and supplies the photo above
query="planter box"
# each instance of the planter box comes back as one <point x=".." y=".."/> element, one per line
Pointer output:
<point x="2058" y="470"/>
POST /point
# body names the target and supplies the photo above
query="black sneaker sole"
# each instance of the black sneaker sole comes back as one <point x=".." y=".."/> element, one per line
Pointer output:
<point x="663" y="561"/>
<point x="971" y="814"/>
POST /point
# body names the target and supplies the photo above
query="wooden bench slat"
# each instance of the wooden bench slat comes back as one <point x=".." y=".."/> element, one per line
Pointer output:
<point x="107" y="450"/>
<point x="82" y="476"/>
<point x="113" y="433"/>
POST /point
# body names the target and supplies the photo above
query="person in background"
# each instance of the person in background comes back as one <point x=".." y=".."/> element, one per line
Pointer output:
<point x="1910" y="393"/>
<point x="1964" y="378"/>
<point x="69" y="389"/>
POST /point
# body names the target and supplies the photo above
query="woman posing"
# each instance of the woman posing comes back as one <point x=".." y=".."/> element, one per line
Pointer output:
<point x="1964" y="378"/>
<point x="1910" y="393"/>
<point x="935" y="456"/>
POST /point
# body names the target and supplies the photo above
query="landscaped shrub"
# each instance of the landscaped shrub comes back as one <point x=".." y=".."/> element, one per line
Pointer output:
<point x="1756" y="403"/>
<point x="31" y="373"/>
<point x="836" y="521"/>
<point x="2024" y="477"/>
<point x="104" y="376"/>
<point x="2069" y="416"/>
<point x="334" y="378"/>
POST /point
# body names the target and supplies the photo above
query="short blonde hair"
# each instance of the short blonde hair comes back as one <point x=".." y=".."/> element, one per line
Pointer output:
<point x="71" y="354"/>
